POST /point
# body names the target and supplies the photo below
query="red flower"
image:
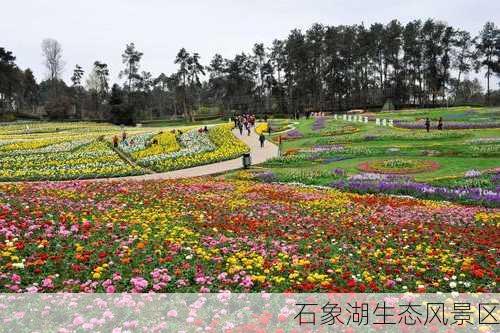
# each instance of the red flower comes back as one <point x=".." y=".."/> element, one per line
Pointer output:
<point x="478" y="273"/>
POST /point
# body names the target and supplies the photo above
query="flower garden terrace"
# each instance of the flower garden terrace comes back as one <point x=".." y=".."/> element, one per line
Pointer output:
<point x="211" y="234"/>
<point x="65" y="151"/>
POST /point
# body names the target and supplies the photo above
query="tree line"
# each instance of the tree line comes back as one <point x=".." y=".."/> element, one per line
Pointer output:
<point x="325" y="68"/>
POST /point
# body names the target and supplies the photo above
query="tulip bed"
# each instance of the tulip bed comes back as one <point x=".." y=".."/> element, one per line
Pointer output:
<point x="210" y="235"/>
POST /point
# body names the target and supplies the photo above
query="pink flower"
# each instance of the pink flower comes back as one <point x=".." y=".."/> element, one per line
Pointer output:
<point x="139" y="283"/>
<point x="110" y="289"/>
<point x="390" y="284"/>
<point x="15" y="278"/>
<point x="47" y="283"/>
<point x="172" y="313"/>
<point x="78" y="320"/>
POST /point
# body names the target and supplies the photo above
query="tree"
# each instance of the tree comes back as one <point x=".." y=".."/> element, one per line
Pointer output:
<point x="131" y="58"/>
<point x="488" y="52"/>
<point x="97" y="83"/>
<point x="463" y="55"/>
<point x="9" y="79"/>
<point x="79" y="91"/>
<point x="31" y="89"/>
<point x="121" y="112"/>
<point x="77" y="76"/>
<point x="182" y="59"/>
<point x="52" y="52"/>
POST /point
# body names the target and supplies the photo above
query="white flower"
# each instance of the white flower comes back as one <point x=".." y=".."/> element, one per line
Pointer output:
<point x="18" y="265"/>
<point x="453" y="285"/>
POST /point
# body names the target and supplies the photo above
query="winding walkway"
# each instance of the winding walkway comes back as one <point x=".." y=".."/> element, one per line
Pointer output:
<point x="258" y="155"/>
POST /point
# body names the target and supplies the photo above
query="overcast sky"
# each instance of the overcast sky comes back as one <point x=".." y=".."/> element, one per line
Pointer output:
<point x="92" y="30"/>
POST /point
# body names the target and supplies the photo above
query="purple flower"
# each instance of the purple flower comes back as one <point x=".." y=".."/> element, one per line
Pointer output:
<point x="319" y="124"/>
<point x="489" y="198"/>
<point x="293" y="134"/>
<point x="266" y="177"/>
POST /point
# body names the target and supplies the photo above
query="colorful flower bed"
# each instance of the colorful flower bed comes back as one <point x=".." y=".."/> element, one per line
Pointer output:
<point x="469" y="195"/>
<point x="398" y="166"/>
<point x="262" y="128"/>
<point x="219" y="144"/>
<point x="63" y="146"/>
<point x="341" y="131"/>
<point x="211" y="235"/>
<point x="135" y="143"/>
<point x="292" y="135"/>
<point x="319" y="124"/>
<point x="165" y="143"/>
<point x="92" y="160"/>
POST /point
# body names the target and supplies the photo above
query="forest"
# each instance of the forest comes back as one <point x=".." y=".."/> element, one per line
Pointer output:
<point x="326" y="68"/>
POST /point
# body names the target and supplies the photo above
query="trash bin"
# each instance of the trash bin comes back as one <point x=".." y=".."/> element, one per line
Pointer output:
<point x="247" y="160"/>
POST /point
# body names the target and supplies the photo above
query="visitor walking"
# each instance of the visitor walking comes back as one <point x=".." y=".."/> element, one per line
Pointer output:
<point x="115" y="141"/>
<point x="440" y="124"/>
<point x="240" y="127"/>
<point x="124" y="136"/>
<point x="248" y="128"/>
<point x="427" y="124"/>
<point x="262" y="138"/>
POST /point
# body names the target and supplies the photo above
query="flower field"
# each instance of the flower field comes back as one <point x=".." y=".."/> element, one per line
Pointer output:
<point x="210" y="235"/>
<point x="59" y="151"/>
<point x="64" y="151"/>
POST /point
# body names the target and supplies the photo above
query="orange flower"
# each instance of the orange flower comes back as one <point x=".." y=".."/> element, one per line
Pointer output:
<point x="125" y="260"/>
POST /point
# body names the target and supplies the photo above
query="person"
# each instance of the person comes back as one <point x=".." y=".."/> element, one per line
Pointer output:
<point x="440" y="124"/>
<point x="248" y="128"/>
<point x="427" y="124"/>
<point x="240" y="127"/>
<point x="268" y="129"/>
<point x="124" y="136"/>
<point x="200" y="130"/>
<point x="115" y="141"/>
<point x="205" y="129"/>
<point x="262" y="138"/>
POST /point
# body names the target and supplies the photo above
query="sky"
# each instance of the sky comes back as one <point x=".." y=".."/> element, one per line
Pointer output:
<point x="91" y="30"/>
